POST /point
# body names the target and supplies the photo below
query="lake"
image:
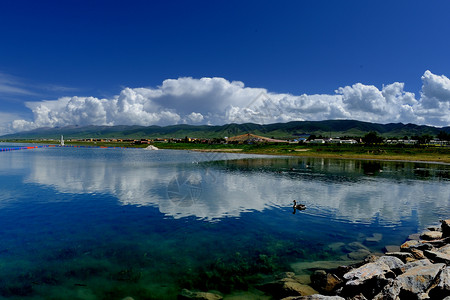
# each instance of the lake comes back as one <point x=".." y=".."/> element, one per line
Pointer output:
<point x="91" y="223"/>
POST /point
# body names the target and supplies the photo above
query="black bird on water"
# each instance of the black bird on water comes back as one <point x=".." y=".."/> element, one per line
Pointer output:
<point x="299" y="206"/>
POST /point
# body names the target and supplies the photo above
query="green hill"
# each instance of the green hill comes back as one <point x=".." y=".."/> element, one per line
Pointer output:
<point x="329" y="128"/>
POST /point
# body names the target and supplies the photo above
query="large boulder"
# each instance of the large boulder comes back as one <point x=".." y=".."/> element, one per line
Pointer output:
<point x="372" y="270"/>
<point x="417" y="280"/>
<point x="390" y="291"/>
<point x="431" y="235"/>
<point x="442" y="288"/>
<point x="417" y="263"/>
<point x="437" y="256"/>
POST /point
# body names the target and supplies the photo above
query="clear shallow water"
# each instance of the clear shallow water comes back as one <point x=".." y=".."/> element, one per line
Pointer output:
<point x="109" y="223"/>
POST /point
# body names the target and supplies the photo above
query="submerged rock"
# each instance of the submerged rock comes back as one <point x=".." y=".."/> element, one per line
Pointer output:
<point x="287" y="287"/>
<point x="187" y="294"/>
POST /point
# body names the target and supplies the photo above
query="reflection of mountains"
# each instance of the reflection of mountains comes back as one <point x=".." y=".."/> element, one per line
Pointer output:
<point x="342" y="189"/>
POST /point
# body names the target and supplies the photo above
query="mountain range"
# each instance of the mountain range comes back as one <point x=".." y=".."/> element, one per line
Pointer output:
<point x="328" y="128"/>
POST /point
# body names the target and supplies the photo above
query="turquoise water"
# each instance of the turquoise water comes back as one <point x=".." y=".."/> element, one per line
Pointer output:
<point x="109" y="223"/>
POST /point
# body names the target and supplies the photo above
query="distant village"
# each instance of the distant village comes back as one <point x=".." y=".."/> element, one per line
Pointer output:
<point x="249" y="138"/>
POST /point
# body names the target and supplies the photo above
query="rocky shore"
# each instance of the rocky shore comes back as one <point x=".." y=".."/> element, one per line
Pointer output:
<point x="418" y="269"/>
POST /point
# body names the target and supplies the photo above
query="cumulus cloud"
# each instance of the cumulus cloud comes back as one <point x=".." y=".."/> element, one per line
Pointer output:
<point x="219" y="101"/>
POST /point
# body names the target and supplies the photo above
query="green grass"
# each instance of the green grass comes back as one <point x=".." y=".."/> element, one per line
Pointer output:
<point x="358" y="151"/>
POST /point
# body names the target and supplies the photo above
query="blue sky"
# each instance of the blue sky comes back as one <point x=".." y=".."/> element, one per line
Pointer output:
<point x="108" y="62"/>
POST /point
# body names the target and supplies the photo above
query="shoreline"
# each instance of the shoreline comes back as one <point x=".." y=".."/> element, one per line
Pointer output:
<point x="325" y="155"/>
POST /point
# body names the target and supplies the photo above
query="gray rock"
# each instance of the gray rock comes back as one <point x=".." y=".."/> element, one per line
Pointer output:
<point x="445" y="249"/>
<point x="391" y="291"/>
<point x="393" y="263"/>
<point x="414" y="236"/>
<point x="314" y="297"/>
<point x="392" y="248"/>
<point x="358" y="297"/>
<point x="366" y="272"/>
<point x="437" y="257"/>
<point x="417" y="263"/>
<point x="431" y="235"/>
<point x="442" y="288"/>
<point x="417" y="280"/>
<point x="403" y="256"/>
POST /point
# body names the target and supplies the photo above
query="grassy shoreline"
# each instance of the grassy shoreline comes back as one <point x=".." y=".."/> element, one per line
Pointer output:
<point x="367" y="152"/>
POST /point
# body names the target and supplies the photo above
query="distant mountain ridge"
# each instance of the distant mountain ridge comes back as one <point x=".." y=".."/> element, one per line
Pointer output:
<point x="328" y="128"/>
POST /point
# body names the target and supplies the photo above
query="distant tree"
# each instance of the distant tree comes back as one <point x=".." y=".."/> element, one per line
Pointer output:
<point x="424" y="139"/>
<point x="312" y="137"/>
<point x="372" y="138"/>
<point x="443" y="136"/>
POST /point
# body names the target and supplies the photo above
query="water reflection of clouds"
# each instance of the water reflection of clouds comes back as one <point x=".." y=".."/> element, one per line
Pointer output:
<point x="338" y="189"/>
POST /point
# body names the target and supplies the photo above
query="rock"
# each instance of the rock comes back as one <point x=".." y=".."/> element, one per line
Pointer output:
<point x="324" y="281"/>
<point x="314" y="297"/>
<point x="368" y="271"/>
<point x="355" y="246"/>
<point x="442" y="288"/>
<point x="414" y="236"/>
<point x="416" y="253"/>
<point x="374" y="239"/>
<point x="408" y="244"/>
<point x="438" y="257"/>
<point x="151" y="147"/>
<point x="431" y="235"/>
<point x="393" y="263"/>
<point x="390" y="291"/>
<point x="392" y="248"/>
<point x="336" y="246"/>
<point x="434" y="228"/>
<point x="359" y="254"/>
<point x="285" y="275"/>
<point x="187" y="294"/>
<point x="438" y="243"/>
<point x="445" y="249"/>
<point x="358" y="297"/>
<point x="400" y="255"/>
<point x="306" y="266"/>
<point x="417" y="263"/>
<point x="287" y="287"/>
<point x="417" y="280"/>
<point x="445" y="227"/>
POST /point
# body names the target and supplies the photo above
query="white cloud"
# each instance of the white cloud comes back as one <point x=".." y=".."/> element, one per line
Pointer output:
<point x="219" y="101"/>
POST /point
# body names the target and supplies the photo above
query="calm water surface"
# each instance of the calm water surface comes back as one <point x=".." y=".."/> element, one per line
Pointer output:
<point x="81" y="223"/>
